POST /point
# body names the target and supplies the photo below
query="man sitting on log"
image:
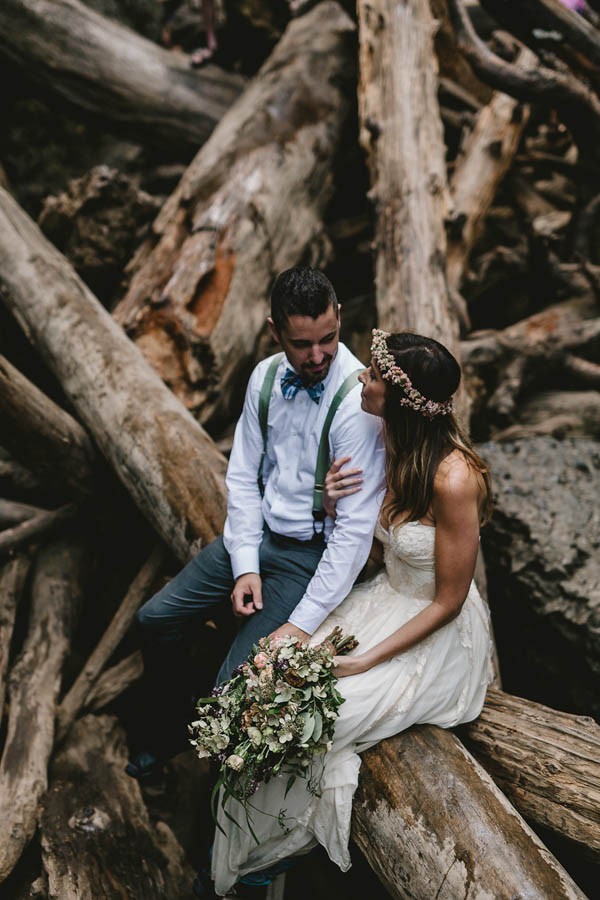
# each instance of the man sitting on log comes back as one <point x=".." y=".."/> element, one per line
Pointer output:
<point x="283" y="564"/>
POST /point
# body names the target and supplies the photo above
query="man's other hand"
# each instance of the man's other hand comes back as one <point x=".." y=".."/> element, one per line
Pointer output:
<point x="288" y="629"/>
<point x="246" y="596"/>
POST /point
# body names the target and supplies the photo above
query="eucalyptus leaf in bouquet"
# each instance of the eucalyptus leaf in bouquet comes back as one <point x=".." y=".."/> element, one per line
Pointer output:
<point x="275" y="716"/>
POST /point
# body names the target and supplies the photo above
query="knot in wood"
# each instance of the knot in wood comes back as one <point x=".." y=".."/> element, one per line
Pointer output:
<point x="455" y="224"/>
<point x="373" y="127"/>
<point x="89" y="819"/>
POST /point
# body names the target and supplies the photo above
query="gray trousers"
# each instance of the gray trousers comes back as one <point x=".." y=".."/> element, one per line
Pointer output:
<point x="205" y="583"/>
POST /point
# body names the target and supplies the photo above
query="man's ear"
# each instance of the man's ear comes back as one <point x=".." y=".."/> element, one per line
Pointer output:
<point x="339" y="313"/>
<point x="274" y="333"/>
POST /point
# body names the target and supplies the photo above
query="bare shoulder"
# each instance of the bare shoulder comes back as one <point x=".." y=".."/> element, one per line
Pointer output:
<point x="457" y="480"/>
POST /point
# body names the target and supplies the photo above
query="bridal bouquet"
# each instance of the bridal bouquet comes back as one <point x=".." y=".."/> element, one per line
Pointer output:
<point x="275" y="715"/>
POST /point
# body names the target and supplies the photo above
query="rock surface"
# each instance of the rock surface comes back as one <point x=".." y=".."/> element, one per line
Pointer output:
<point x="543" y="567"/>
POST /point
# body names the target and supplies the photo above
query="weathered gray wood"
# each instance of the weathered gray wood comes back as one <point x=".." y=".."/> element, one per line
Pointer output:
<point x="500" y="363"/>
<point x="84" y="683"/>
<point x="13" y="513"/>
<point x="432" y="823"/>
<point x="546" y="762"/>
<point x="97" y="838"/>
<point x="16" y="480"/>
<point x="576" y="103"/>
<point x="401" y="131"/>
<point x="12" y="581"/>
<point x="164" y="458"/>
<point x="33" y="689"/>
<point x="250" y="204"/>
<point x="115" y="680"/>
<point x="485" y="158"/>
<point x="110" y="71"/>
<point x="35" y="527"/>
<point x="574" y="38"/>
<point x="558" y="413"/>
<point x="42" y="435"/>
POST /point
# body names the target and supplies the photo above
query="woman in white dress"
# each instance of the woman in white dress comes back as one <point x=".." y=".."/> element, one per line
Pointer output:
<point x="423" y="631"/>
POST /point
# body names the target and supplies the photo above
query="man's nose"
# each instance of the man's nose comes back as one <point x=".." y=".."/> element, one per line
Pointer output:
<point x="316" y="355"/>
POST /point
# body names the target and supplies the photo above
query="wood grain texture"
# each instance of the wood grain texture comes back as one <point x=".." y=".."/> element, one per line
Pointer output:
<point x="249" y="205"/>
<point x="402" y="134"/>
<point x="432" y="823"/>
<point x="110" y="71"/>
<point x="164" y="458"/>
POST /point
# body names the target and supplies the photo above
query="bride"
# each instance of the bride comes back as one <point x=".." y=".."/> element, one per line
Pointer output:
<point x="423" y="631"/>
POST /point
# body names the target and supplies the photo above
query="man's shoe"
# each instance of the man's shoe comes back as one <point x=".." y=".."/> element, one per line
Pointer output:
<point x="145" y="767"/>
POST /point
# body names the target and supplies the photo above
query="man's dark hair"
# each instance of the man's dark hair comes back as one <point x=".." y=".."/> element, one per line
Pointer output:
<point x="301" y="291"/>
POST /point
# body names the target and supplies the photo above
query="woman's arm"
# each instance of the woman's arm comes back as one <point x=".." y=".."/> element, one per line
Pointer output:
<point x="456" y="514"/>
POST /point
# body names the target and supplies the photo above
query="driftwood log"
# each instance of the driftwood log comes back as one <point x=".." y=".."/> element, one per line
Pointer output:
<point x="17" y="481"/>
<point x="115" y="680"/>
<point x="84" y="684"/>
<point x="432" y="823"/>
<point x="97" y="839"/>
<point x="12" y="580"/>
<point x="546" y="762"/>
<point x="250" y="204"/>
<point x="43" y="436"/>
<point x="33" y="689"/>
<point x="485" y="157"/>
<point x="35" y="527"/>
<point x="13" y="513"/>
<point x="401" y="132"/>
<point x="557" y="413"/>
<point x="571" y="37"/>
<point x="112" y="72"/>
<point x="164" y="458"/>
<point x="500" y="364"/>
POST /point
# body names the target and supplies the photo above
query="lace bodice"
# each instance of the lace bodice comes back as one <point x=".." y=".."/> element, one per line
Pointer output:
<point x="409" y="557"/>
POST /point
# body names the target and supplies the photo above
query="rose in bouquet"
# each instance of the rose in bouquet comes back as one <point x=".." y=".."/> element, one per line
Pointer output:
<point x="275" y="716"/>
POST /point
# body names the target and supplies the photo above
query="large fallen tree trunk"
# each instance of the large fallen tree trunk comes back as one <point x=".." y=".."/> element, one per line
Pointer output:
<point x="546" y="762"/>
<point x="500" y="364"/>
<point x="33" y="689"/>
<point x="402" y="133"/>
<point x="110" y="71"/>
<point x="84" y="684"/>
<point x="484" y="160"/>
<point x="164" y="458"/>
<point x="97" y="838"/>
<point x="432" y="823"/>
<point x="42" y="435"/>
<point x="249" y="205"/>
<point x="12" y="582"/>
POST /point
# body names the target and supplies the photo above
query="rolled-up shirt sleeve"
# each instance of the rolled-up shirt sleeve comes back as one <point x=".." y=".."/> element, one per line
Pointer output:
<point x="358" y="435"/>
<point x="243" y="529"/>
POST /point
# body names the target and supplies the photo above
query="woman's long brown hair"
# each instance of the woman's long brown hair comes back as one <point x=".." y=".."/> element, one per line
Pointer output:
<point x="416" y="445"/>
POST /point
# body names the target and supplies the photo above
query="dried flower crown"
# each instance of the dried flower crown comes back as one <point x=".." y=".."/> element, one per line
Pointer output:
<point x="391" y="371"/>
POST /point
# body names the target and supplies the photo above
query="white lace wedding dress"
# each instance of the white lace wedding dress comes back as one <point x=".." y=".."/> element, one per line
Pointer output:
<point x="441" y="681"/>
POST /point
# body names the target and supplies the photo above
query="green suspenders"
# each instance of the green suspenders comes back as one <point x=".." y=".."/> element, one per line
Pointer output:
<point x="323" y="460"/>
<point x="263" y="412"/>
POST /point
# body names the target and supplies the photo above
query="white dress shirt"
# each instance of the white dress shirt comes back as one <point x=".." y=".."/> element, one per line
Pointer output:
<point x="293" y="435"/>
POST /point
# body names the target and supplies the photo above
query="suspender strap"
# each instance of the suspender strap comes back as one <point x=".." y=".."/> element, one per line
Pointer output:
<point x="263" y="413"/>
<point x="323" y="460"/>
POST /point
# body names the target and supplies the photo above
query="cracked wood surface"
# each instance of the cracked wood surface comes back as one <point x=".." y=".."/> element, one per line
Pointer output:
<point x="164" y="458"/>
<point x="249" y="205"/>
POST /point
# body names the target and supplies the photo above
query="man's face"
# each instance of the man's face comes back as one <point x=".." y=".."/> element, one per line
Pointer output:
<point x="310" y="344"/>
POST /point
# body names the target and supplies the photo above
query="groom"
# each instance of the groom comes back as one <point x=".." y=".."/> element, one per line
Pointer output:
<point x="281" y="563"/>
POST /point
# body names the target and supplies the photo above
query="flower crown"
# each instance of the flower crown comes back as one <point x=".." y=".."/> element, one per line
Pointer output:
<point x="391" y="371"/>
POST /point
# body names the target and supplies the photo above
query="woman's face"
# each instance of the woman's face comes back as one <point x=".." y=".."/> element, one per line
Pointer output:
<point x="373" y="392"/>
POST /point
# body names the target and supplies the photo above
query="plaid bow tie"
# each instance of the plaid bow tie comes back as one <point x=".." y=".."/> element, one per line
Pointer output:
<point x="291" y="383"/>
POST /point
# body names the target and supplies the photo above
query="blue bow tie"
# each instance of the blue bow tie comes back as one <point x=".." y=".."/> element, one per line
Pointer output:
<point x="291" y="383"/>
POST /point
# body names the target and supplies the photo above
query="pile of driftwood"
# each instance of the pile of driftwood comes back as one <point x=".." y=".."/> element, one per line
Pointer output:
<point x="480" y="206"/>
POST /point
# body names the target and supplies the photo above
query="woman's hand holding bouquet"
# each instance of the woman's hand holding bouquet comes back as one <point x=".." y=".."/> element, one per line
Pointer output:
<point x="275" y="715"/>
